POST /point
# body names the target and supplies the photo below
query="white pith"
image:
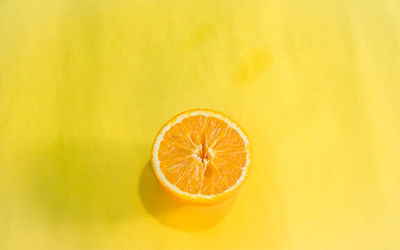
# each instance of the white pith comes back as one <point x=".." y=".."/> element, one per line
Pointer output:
<point x="206" y="113"/>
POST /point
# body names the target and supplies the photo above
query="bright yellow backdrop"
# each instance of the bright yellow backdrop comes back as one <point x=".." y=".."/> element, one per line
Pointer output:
<point x="85" y="85"/>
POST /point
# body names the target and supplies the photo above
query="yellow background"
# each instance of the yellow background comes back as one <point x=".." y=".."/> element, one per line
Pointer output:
<point x="85" y="85"/>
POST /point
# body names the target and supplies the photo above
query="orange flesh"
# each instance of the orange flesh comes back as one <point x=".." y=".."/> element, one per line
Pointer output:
<point x="202" y="155"/>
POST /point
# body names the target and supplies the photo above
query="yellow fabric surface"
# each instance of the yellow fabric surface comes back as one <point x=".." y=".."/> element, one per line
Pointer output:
<point x="85" y="86"/>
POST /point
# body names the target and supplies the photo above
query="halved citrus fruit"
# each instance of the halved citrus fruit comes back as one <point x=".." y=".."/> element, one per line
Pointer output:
<point x="201" y="156"/>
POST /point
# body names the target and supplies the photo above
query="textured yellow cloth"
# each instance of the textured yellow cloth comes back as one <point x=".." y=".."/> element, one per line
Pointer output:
<point x="85" y="86"/>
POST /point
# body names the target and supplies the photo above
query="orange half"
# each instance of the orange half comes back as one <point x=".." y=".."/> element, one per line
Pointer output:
<point x="200" y="157"/>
